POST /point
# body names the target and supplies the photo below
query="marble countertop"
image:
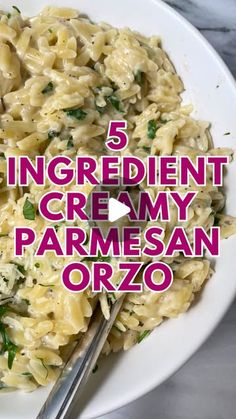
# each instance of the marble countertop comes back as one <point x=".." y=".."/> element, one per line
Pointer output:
<point x="205" y="388"/>
<point x="216" y="19"/>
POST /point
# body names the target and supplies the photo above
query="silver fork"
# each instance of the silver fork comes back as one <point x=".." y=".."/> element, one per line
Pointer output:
<point x="69" y="385"/>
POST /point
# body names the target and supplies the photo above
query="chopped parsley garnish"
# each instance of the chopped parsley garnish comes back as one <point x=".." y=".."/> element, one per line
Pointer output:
<point x="216" y="222"/>
<point x="227" y="133"/>
<point x="3" y="310"/>
<point x="27" y="374"/>
<point x="117" y="328"/>
<point x="37" y="265"/>
<point x="143" y="335"/>
<point x="164" y="121"/>
<point x="128" y="311"/>
<point x="52" y="134"/>
<point x="70" y="143"/>
<point x="98" y="258"/>
<point x="138" y="77"/>
<point x="49" y="88"/>
<point x="152" y="129"/>
<point x="115" y="102"/>
<point x="147" y="149"/>
<point x="76" y="113"/>
<point x="111" y="298"/>
<point x="16" y="8"/>
<point x="87" y="239"/>
<point x="28" y="210"/>
<point x="100" y="109"/>
<point x="7" y="344"/>
<point x="50" y="30"/>
<point x="111" y="295"/>
<point x="8" y="15"/>
<point x="95" y="369"/>
<point x="20" y="268"/>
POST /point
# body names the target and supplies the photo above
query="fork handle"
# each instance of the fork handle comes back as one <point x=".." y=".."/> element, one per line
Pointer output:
<point x="69" y="385"/>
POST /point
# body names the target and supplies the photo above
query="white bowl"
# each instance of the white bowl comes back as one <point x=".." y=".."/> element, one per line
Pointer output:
<point x="127" y="376"/>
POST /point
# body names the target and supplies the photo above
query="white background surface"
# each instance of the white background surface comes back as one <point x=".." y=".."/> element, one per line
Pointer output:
<point x="205" y="388"/>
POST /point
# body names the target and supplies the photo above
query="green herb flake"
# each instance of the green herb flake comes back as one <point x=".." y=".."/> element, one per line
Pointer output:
<point x="227" y="133"/>
<point x="76" y="113"/>
<point x="28" y="210"/>
<point x="50" y="30"/>
<point x="152" y="129"/>
<point x="70" y="143"/>
<point x="111" y="294"/>
<point x="147" y="149"/>
<point x="3" y="311"/>
<point x="27" y="374"/>
<point x="100" y="109"/>
<point x="216" y="222"/>
<point x="111" y="298"/>
<point x="126" y="310"/>
<point x="12" y="349"/>
<point x="117" y="328"/>
<point x="86" y="240"/>
<point x="143" y="335"/>
<point x="7" y="346"/>
<point x="52" y="134"/>
<point x="138" y="77"/>
<point x="37" y="265"/>
<point x="163" y="121"/>
<point x="98" y="258"/>
<point x="115" y="102"/>
<point x="95" y="369"/>
<point x="16" y="8"/>
<point x="48" y="89"/>
<point x="8" y="15"/>
<point x="20" y="268"/>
